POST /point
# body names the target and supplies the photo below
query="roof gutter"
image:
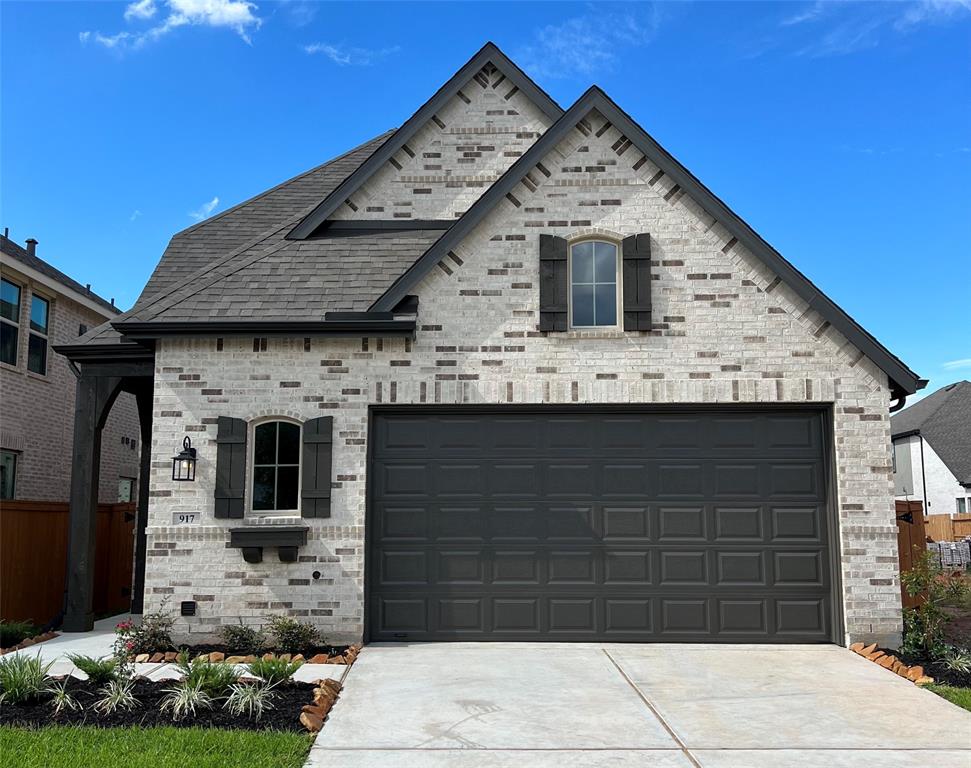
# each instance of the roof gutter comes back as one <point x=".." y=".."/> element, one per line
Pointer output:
<point x="334" y="324"/>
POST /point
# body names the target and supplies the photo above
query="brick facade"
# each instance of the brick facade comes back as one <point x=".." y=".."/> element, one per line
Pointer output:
<point x="726" y="330"/>
<point x="37" y="412"/>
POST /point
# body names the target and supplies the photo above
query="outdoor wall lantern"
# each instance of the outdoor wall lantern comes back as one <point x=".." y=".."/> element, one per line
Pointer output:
<point x="184" y="465"/>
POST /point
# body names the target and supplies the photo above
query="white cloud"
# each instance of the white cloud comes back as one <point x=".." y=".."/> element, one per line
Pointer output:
<point x="204" y="210"/>
<point x="932" y="11"/>
<point x="953" y="365"/>
<point x="344" y="56"/>
<point x="812" y="13"/>
<point x="840" y="28"/>
<point x="136" y="214"/>
<point x="585" y="45"/>
<point x="142" y="9"/>
<point x="236" y="15"/>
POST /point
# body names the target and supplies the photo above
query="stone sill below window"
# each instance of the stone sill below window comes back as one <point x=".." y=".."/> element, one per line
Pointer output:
<point x="253" y="538"/>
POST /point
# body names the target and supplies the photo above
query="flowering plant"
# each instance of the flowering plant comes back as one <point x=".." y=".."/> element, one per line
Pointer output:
<point x="149" y="636"/>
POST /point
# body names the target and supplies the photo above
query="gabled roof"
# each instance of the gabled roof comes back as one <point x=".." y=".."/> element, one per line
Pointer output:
<point x="943" y="419"/>
<point x="489" y="53"/>
<point x="903" y="380"/>
<point x="17" y="253"/>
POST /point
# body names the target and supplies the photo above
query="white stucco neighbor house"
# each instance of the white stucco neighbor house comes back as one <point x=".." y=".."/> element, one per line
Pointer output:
<point x="507" y="372"/>
<point x="932" y="451"/>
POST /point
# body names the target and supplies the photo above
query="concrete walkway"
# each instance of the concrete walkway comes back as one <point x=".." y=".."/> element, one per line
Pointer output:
<point x="99" y="644"/>
<point x="505" y="705"/>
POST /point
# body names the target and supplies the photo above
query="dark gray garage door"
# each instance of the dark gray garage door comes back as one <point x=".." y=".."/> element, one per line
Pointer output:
<point x="622" y="526"/>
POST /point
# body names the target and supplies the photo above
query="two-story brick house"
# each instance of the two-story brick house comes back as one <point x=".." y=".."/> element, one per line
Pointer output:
<point x="507" y="372"/>
<point x="41" y="308"/>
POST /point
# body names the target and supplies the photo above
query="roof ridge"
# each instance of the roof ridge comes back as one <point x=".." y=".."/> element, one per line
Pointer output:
<point x="354" y="180"/>
<point x="901" y="377"/>
<point x="947" y="393"/>
<point x="384" y="136"/>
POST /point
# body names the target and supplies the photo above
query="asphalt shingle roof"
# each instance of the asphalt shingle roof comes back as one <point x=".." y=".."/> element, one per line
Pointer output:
<point x="944" y="421"/>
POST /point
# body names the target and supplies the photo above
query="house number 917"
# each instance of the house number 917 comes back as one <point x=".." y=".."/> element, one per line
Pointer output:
<point x="179" y="518"/>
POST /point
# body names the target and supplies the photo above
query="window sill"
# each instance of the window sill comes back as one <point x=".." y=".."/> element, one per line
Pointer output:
<point x="251" y="539"/>
<point x="10" y="367"/>
<point x="592" y="333"/>
<point x="39" y="376"/>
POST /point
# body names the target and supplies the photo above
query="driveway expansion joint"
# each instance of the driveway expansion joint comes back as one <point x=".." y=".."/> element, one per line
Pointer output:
<point x="654" y="711"/>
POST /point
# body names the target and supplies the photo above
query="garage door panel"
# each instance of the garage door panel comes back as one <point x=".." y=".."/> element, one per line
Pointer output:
<point x="634" y="527"/>
<point x="738" y="524"/>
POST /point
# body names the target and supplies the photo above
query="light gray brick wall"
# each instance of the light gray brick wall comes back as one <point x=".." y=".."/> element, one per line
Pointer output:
<point x="37" y="412"/>
<point x="726" y="331"/>
<point x="454" y="157"/>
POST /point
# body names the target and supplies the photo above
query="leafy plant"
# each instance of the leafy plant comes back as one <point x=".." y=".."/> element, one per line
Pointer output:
<point x="61" y="699"/>
<point x="214" y="679"/>
<point x="292" y="636"/>
<point x="116" y="696"/>
<point x="150" y="636"/>
<point x="273" y="671"/>
<point x="924" y="624"/>
<point x="23" y="678"/>
<point x="186" y="699"/>
<point x="99" y="671"/>
<point x="955" y="660"/>
<point x="242" y="639"/>
<point x="13" y="632"/>
<point x="250" y="699"/>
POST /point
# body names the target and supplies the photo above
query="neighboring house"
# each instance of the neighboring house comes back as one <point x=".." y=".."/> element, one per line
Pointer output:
<point x="507" y="372"/>
<point x="932" y="450"/>
<point x="41" y="308"/>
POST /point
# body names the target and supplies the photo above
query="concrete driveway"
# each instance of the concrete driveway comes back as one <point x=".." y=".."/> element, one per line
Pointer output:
<point x="507" y="705"/>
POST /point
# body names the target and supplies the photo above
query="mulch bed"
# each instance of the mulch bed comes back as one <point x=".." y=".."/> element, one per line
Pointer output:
<point x="941" y="675"/>
<point x="285" y="716"/>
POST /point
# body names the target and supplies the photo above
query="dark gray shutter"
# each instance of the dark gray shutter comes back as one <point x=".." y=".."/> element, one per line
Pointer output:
<point x="230" y="467"/>
<point x="553" y="283"/>
<point x="318" y="444"/>
<point x="637" y="282"/>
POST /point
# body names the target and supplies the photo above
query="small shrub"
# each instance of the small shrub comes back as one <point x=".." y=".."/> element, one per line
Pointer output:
<point x="292" y="636"/>
<point x="186" y="699"/>
<point x="924" y="624"/>
<point x="13" y="632"/>
<point x="99" y="671"/>
<point x="955" y="660"/>
<point x="61" y="699"/>
<point x="148" y="637"/>
<point x="242" y="639"/>
<point x="23" y="678"/>
<point x="213" y="679"/>
<point x="250" y="699"/>
<point x="273" y="671"/>
<point x="116" y="696"/>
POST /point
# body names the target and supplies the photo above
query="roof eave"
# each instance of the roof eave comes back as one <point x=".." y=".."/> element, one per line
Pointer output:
<point x="376" y="324"/>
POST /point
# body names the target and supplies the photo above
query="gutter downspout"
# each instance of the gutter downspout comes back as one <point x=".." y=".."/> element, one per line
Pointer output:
<point x="923" y="477"/>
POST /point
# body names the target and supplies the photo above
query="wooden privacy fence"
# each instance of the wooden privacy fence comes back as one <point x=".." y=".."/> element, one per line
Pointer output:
<point x="910" y="540"/>
<point x="33" y="559"/>
<point x="948" y="528"/>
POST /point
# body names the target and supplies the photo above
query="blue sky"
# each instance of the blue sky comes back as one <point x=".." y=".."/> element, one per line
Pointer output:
<point x="840" y="131"/>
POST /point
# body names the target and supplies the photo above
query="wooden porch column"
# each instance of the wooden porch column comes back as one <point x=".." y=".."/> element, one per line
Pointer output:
<point x="143" y="397"/>
<point x="95" y="395"/>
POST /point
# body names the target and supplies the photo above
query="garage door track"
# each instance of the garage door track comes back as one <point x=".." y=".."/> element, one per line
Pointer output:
<point x="507" y="705"/>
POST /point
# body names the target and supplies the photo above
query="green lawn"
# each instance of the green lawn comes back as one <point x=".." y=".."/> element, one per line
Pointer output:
<point x="150" y="748"/>
<point x="959" y="696"/>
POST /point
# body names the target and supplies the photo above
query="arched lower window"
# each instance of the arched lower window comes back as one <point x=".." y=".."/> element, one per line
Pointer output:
<point x="276" y="466"/>
<point x="593" y="284"/>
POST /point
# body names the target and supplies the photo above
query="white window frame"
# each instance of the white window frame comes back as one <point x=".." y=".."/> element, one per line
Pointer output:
<point x="16" y="468"/>
<point x="15" y="323"/>
<point x="45" y="336"/>
<point x="618" y="272"/>
<point x="251" y="467"/>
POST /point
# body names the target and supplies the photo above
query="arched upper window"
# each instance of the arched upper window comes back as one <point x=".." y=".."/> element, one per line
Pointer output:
<point x="594" y="284"/>
<point x="276" y="466"/>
